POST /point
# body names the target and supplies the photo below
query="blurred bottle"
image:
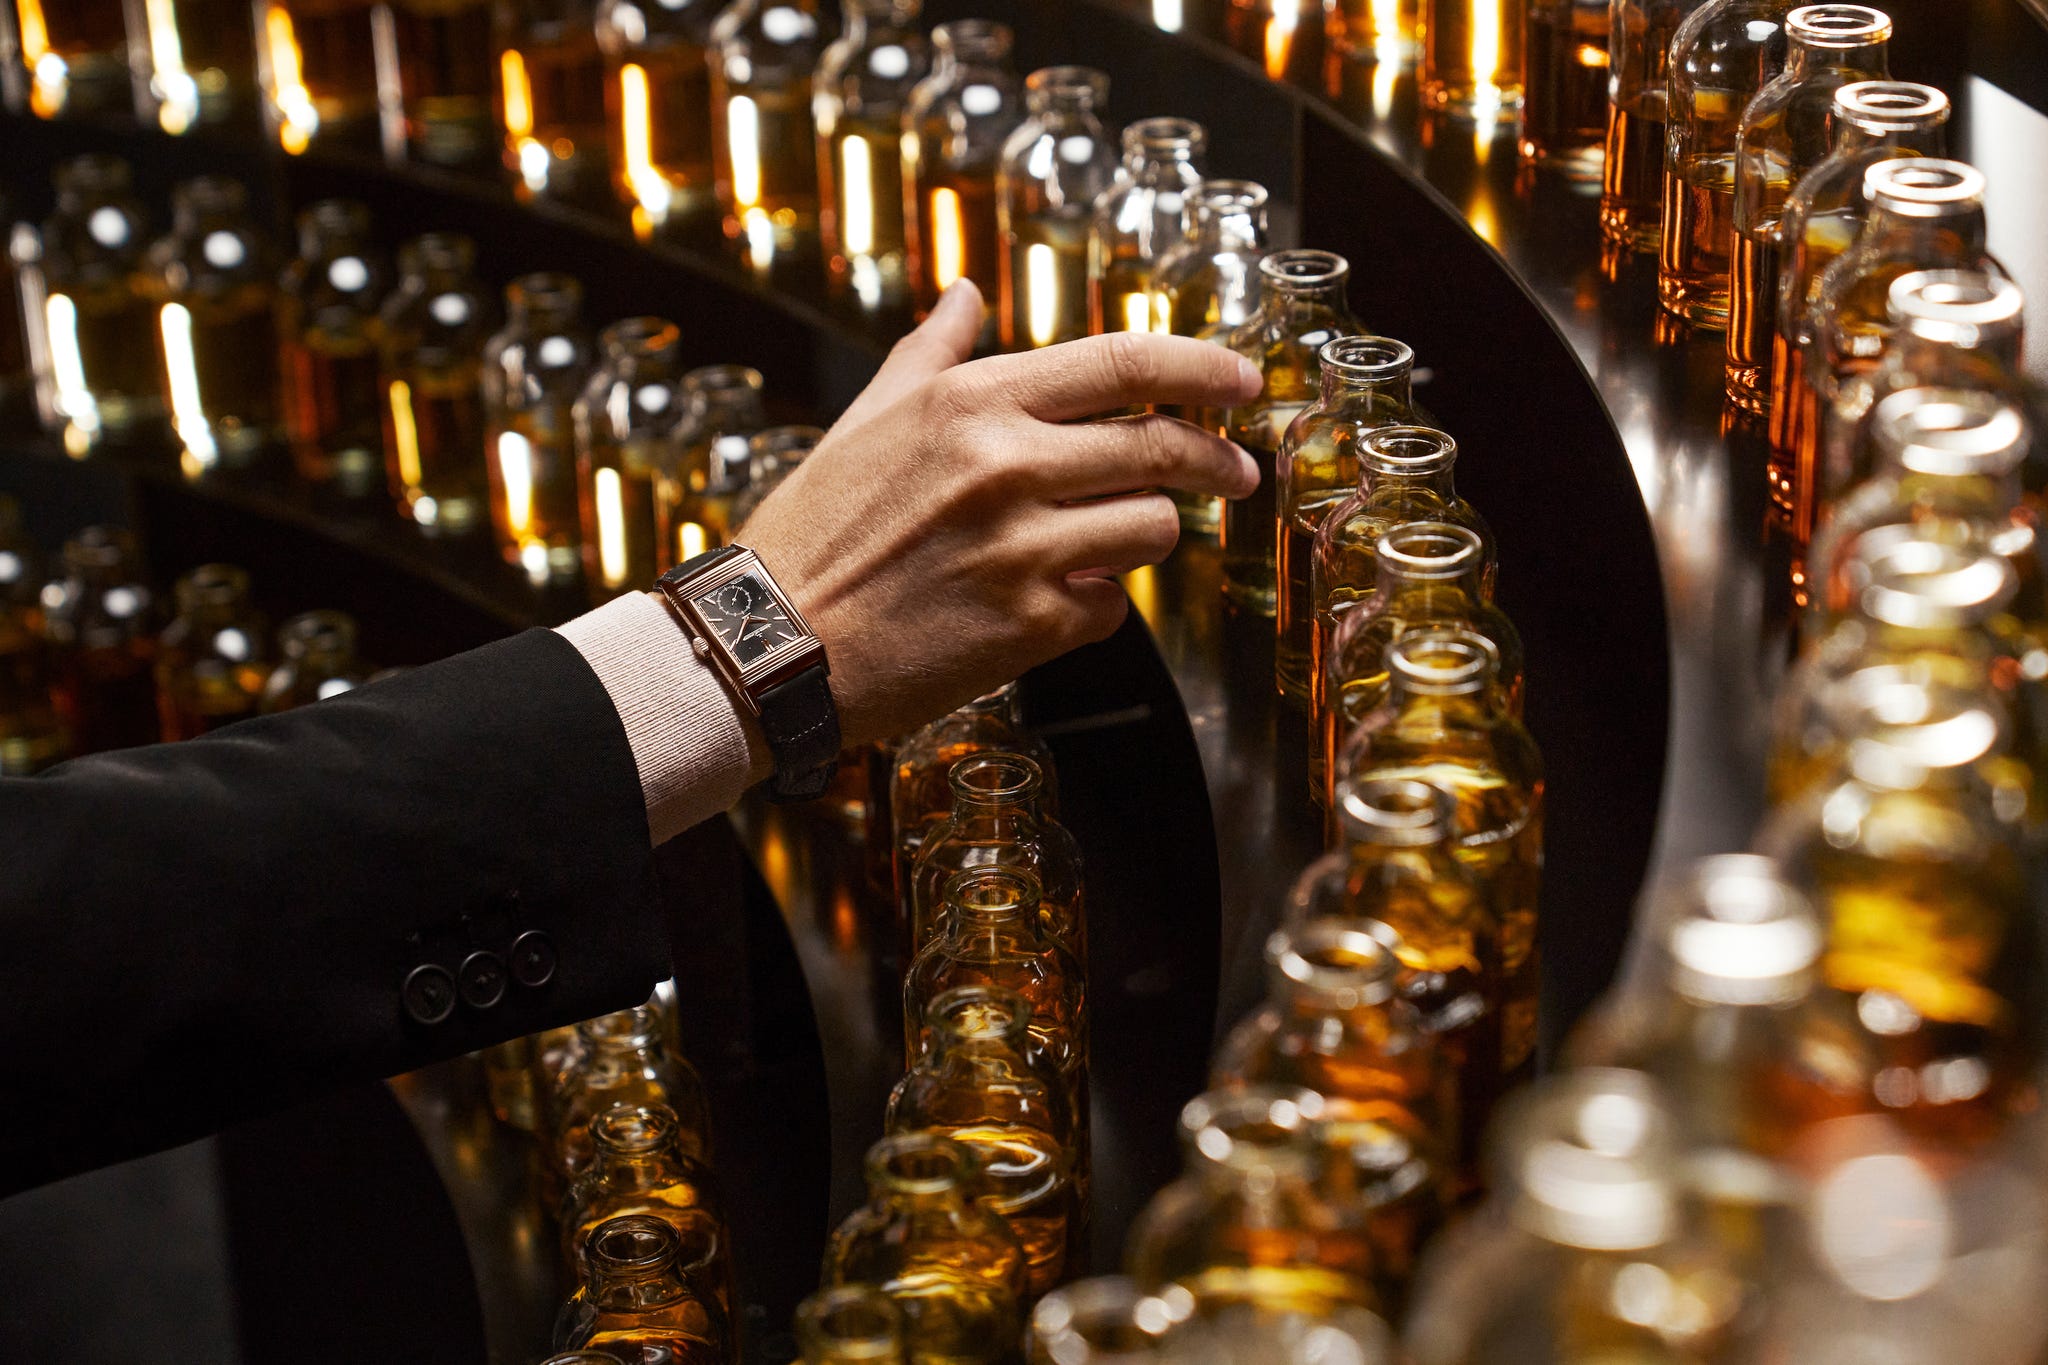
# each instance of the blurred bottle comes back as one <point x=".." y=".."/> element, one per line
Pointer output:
<point x="1638" y="107"/>
<point x="625" y="435"/>
<point x="620" y="1058"/>
<point x="98" y="325"/>
<point x="508" y="1077"/>
<point x="319" y="70"/>
<point x="643" y="1298"/>
<point x="998" y="820"/>
<point x="657" y="91"/>
<point x="75" y="53"/>
<point x="437" y="55"/>
<point x="214" y="285"/>
<point x="1472" y="57"/>
<point x="955" y="125"/>
<point x="195" y="61"/>
<point x="772" y="456"/>
<point x="763" y="154"/>
<point x="317" y="660"/>
<point x="694" y="496"/>
<point x="988" y="1085"/>
<point x="920" y="792"/>
<point x="1564" y="100"/>
<point x="953" y="1268"/>
<point x="860" y="93"/>
<point x="1319" y="466"/>
<point x="638" y="1166"/>
<point x="214" y="658"/>
<point x="855" y="1324"/>
<point x="551" y="97"/>
<point x="1053" y="169"/>
<point x="100" y="621"/>
<point x="31" y="735"/>
<point x="533" y="372"/>
<point x="1138" y="219"/>
<point x="1106" y="1320"/>
<point x="431" y="333"/>
<point x="327" y="339"/>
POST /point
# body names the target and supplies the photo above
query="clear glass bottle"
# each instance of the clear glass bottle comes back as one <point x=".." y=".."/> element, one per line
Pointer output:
<point x="1425" y="573"/>
<point x="215" y="290"/>
<point x="99" y="621"/>
<point x="32" y="736"/>
<point x="195" y="62"/>
<point x="854" y="1324"/>
<point x="1638" y="110"/>
<point x="1053" y="169"/>
<point x="657" y="92"/>
<point x="1721" y="56"/>
<point x="1564" y="99"/>
<point x="1873" y="120"/>
<point x="1443" y="724"/>
<point x="1785" y="132"/>
<point x="319" y="71"/>
<point x="213" y="659"/>
<point x="98" y="324"/>
<point x="619" y="1058"/>
<point x="642" y="1298"/>
<point x="1301" y="309"/>
<point x="534" y="370"/>
<point x="1472" y="57"/>
<point x="317" y="659"/>
<point x="920" y="790"/>
<point x="625" y="435"/>
<point x="75" y="54"/>
<point x="327" y="342"/>
<point x="638" y="1166"/>
<point x="953" y="1267"/>
<point x="763" y="156"/>
<point x="431" y="334"/>
<point x="955" y="125"/>
<point x="1334" y="1022"/>
<point x="859" y="95"/>
<point x="439" y="60"/>
<point x="1139" y="219"/>
<point x="1365" y="387"/>
<point x="1106" y="1320"/>
<point x="695" y="495"/>
<point x="772" y="456"/>
<point x="986" y="1083"/>
<point x="997" y="820"/>
<point x="551" y="97"/>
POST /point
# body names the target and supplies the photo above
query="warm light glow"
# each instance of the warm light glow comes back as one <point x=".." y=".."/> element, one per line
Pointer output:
<point x="515" y="466"/>
<point x="188" y="410"/>
<point x="1137" y="312"/>
<point x="1486" y="47"/>
<point x="52" y="78"/>
<point x="1280" y="38"/>
<point x="297" y="118"/>
<point x="176" y="91"/>
<point x="518" y="94"/>
<point x="1142" y="586"/>
<point x="691" y="540"/>
<point x="1168" y="15"/>
<point x="760" y="229"/>
<point x="650" y="186"/>
<point x="1386" y="30"/>
<point x="1041" y="293"/>
<point x="609" y="493"/>
<point x="67" y="366"/>
<point x="743" y="132"/>
<point x="949" y="238"/>
<point x="856" y="196"/>
<point x="405" y="435"/>
<point x="1386" y="74"/>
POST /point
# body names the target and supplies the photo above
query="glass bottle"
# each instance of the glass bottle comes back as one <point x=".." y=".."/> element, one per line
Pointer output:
<point x="861" y="90"/>
<point x="1425" y="573"/>
<point x="196" y="62"/>
<point x="1105" y="1320"/>
<point x="99" y="326"/>
<point x="1472" y="56"/>
<point x="533" y="372"/>
<point x="643" y="1298"/>
<point x="1248" y="1226"/>
<point x="1333" y="1022"/>
<point x="31" y="735"/>
<point x="1873" y="120"/>
<point x="1721" y="56"/>
<point x="316" y="660"/>
<point x="997" y="821"/>
<point x="1053" y="169"/>
<point x="638" y="1166"/>
<point x="1638" y="108"/>
<point x="1138" y="219"/>
<point x="431" y="334"/>
<point x="214" y="285"/>
<point x="694" y="496"/>
<point x="508" y="1079"/>
<point x="1365" y="387"/>
<point x="551" y="97"/>
<point x="625" y="434"/>
<point x="327" y="342"/>
<point x="319" y="70"/>
<point x="955" y="125"/>
<point x="75" y="53"/>
<point x="988" y="1085"/>
<point x="920" y="791"/>
<point x="1786" y="132"/>
<point x="854" y="1324"/>
<point x="953" y="1267"/>
<point x="99" y="622"/>
<point x="1443" y="725"/>
<point x="763" y="157"/>
<point x="439" y="60"/>
<point x="657" y="92"/>
<point x="772" y="456"/>
<point x="213" y="659"/>
<point x="1393" y="873"/>
<point x="1564" y="100"/>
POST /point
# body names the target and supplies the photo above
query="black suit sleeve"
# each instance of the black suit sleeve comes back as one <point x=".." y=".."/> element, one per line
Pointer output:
<point x="192" y="933"/>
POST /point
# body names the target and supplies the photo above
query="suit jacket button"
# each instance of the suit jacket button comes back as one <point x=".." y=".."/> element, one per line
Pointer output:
<point x="482" y="979"/>
<point x="428" y="993"/>
<point x="533" y="958"/>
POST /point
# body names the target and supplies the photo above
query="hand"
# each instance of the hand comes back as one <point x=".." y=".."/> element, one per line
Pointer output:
<point x="949" y="532"/>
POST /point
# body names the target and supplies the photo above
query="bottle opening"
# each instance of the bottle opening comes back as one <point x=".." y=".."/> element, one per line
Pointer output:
<point x="207" y="196"/>
<point x="781" y="449"/>
<point x="1366" y="359"/>
<point x="1966" y="309"/>
<point x="1407" y="450"/>
<point x="1923" y="187"/>
<point x="637" y="1025"/>
<point x="1955" y="432"/>
<point x="1260" y="1126"/>
<point x="1925" y="585"/>
<point x="212" y="586"/>
<point x="1106" y="1318"/>
<point x="1222" y="198"/>
<point x="979" y="1012"/>
<point x="1892" y="106"/>
<point x="331" y="221"/>
<point x="1338" y="962"/>
<point x="98" y="549"/>
<point x="1838" y="26"/>
<point x="1588" y="1155"/>
<point x="547" y="291"/>
<point x="723" y="381"/>
<point x="1442" y="663"/>
<point x="982" y="41"/>
<point x="92" y="174"/>
<point x="1398" y="811"/>
<point x="1065" y="87"/>
<point x="993" y="892"/>
<point x="854" y="1322"/>
<point x="318" y="634"/>
<point x="916" y="1163"/>
<point x="1744" y="936"/>
<point x="635" y="1128"/>
<point x="647" y="338"/>
<point x="1300" y="271"/>
<point x="1165" y="137"/>
<point x="1431" y="550"/>
<point x="637" y="1243"/>
<point x="438" y="252"/>
<point x="994" y="777"/>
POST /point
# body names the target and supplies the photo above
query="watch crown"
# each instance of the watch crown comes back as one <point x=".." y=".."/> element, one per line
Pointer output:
<point x="703" y="649"/>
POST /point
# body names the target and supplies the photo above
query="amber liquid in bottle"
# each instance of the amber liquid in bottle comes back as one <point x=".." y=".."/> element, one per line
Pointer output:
<point x="333" y="407"/>
<point x="1564" y="105"/>
<point x="666" y="94"/>
<point x="337" y="58"/>
<point x="1795" y="413"/>
<point x="1455" y="33"/>
<point x="1250" y="525"/>
<point x="234" y="354"/>
<point x="956" y="229"/>
<point x="768" y="170"/>
<point x="1752" y="316"/>
<point x="861" y="167"/>
<point x="446" y="78"/>
<point x="115" y="333"/>
<point x="434" y="429"/>
<point x="1632" y="176"/>
<point x="555" y="117"/>
<point x="1122" y="299"/>
<point x="1699" y="226"/>
<point x="1046" y="282"/>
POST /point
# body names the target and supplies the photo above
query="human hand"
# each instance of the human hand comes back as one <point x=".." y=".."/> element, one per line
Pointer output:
<point x="958" y="526"/>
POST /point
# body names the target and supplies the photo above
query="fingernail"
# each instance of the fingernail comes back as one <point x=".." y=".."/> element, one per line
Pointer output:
<point x="1248" y="376"/>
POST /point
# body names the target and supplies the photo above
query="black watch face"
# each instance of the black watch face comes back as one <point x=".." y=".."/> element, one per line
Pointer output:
<point x="747" y="618"/>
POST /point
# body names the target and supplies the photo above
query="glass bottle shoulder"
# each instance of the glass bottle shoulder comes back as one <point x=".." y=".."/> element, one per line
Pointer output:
<point x="766" y="43"/>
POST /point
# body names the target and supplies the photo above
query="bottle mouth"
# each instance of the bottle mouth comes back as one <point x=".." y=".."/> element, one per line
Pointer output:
<point x="1066" y="87"/>
<point x="1957" y="307"/>
<point x="208" y="196"/>
<point x="855" y="1321"/>
<point x="1400" y="812"/>
<point x="546" y="291"/>
<point x="1892" y="106"/>
<point x="93" y="173"/>
<point x="993" y="893"/>
<point x="1407" y="450"/>
<point x="1744" y="937"/>
<point x="640" y="1024"/>
<point x="446" y="252"/>
<point x="212" y="586"/>
<point x="1256" y="1127"/>
<point x="98" y="549"/>
<point x="1107" y="1318"/>
<point x="1923" y="186"/>
<point x="331" y="220"/>
<point x="1905" y="581"/>
<point x="634" y="1244"/>
<point x="781" y="449"/>
<point x="917" y="1163"/>
<point x="1954" y="432"/>
<point x="994" y="777"/>
<point x="1302" y="270"/>
<point x="979" y="1013"/>
<point x="1336" y="962"/>
<point x="1907" y="723"/>
<point x="1443" y="662"/>
<point x="329" y="634"/>
<point x="645" y="338"/>
<point x="1431" y="551"/>
<point x="1900" y="759"/>
<point x="635" y="1128"/>
<point x="1591" y="1158"/>
<point x="1366" y="359"/>
<point x="724" y="382"/>
<point x="1838" y="26"/>
<point x="1226" y="198"/>
<point x="983" y="41"/>
<point x="1165" y="137"/>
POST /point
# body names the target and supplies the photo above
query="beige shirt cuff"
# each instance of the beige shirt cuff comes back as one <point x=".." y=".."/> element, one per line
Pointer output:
<point x="695" y="751"/>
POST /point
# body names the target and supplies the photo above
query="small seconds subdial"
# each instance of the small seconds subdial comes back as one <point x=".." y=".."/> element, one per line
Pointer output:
<point x="748" y="619"/>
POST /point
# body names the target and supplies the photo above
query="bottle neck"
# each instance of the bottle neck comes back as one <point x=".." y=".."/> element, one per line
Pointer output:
<point x="1343" y="387"/>
<point x="1382" y="480"/>
<point x="985" y="932"/>
<point x="1298" y="307"/>
<point x="1232" y="229"/>
<point x="1929" y="139"/>
<point x="636" y="1290"/>
<point x="1954" y="237"/>
<point x="1396" y="579"/>
<point x="1930" y="363"/>
<point x="1806" y="59"/>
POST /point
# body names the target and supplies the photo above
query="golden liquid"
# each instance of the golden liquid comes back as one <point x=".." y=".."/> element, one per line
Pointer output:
<point x="953" y="1315"/>
<point x="234" y="359"/>
<point x="678" y="135"/>
<point x="105" y="695"/>
<point x="1794" y="411"/>
<point x="446" y="422"/>
<point x="682" y="1206"/>
<point x="966" y="201"/>
<point x="776" y="201"/>
<point x="90" y="38"/>
<point x="1045" y="281"/>
<point x="1251" y="524"/>
<point x="202" y="695"/>
<point x="116" y="331"/>
<point x="1564" y="104"/>
<point x="676" y="1336"/>
<point x="337" y="58"/>
<point x="1295" y="661"/>
<point x="447" y="76"/>
<point x="1375" y="1164"/>
<point x="860" y="176"/>
<point x="334" y="407"/>
<point x="1025" y="1178"/>
<point x="1632" y="175"/>
<point x="547" y="532"/>
<point x="1752" y="316"/>
<point x="1457" y="37"/>
<point x="1314" y="1281"/>
<point x="508" y="1082"/>
<point x="620" y="540"/>
<point x="217" y="47"/>
<point x="1699" y="239"/>
<point x="565" y="100"/>
<point x="1120" y="299"/>
<point x="1062" y="917"/>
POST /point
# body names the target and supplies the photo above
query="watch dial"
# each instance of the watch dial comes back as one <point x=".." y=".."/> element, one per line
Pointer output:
<point x="747" y="618"/>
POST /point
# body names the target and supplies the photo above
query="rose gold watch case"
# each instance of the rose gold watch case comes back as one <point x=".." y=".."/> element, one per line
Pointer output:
<point x="779" y="664"/>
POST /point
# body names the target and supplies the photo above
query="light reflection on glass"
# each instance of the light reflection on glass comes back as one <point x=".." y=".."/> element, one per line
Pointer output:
<point x="67" y="369"/>
<point x="405" y="439"/>
<point x="297" y="120"/>
<point x="856" y="170"/>
<point x="610" y="495"/>
<point x="650" y="186"/>
<point x="1042" y="290"/>
<point x="1280" y="38"/>
<point x="51" y="77"/>
<point x="1167" y="15"/>
<point x="177" y="93"/>
<point x="188" y="411"/>
<point x="515" y="464"/>
<point x="949" y="245"/>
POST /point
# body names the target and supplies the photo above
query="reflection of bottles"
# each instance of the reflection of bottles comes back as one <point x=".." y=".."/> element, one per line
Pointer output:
<point x="638" y="1166"/>
<point x="694" y="496"/>
<point x="854" y="1324"/>
<point x="1334" y="1023"/>
<point x="1301" y="308"/>
<point x="317" y="660"/>
<point x="957" y="120"/>
<point x="1393" y="868"/>
<point x="625" y="435"/>
<point x="642" y="1298"/>
<point x="920" y="792"/>
<point x="320" y="69"/>
<point x="861" y="89"/>
<point x="213" y="660"/>
<point x="508" y="1081"/>
<point x="988" y="1085"/>
<point x="441" y="53"/>
<point x="215" y="289"/>
<point x="1138" y="219"/>
<point x="31" y="736"/>
<point x="99" y="620"/>
<point x="100" y="329"/>
<point x="551" y="96"/>
<point x="772" y="456"/>
<point x="197" y="61"/>
<point x="431" y="336"/>
<point x="953" y="1268"/>
<point x="533" y="372"/>
<point x="618" y="1059"/>
<point x="1721" y="55"/>
<point x="763" y="157"/>
<point x="1365" y="386"/>
<point x="327" y="336"/>
<point x="1472" y="56"/>
<point x="657" y="91"/>
<point x="1785" y="133"/>
<point x="1053" y="169"/>
<point x="1639" y="88"/>
<point x="76" y="56"/>
<point x="1564" y="101"/>
<point x="997" y="822"/>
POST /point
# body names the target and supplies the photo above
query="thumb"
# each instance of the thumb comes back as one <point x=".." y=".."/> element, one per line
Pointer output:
<point x="944" y="339"/>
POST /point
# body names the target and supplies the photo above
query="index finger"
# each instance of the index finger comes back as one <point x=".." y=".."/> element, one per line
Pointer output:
<point x="1120" y="369"/>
